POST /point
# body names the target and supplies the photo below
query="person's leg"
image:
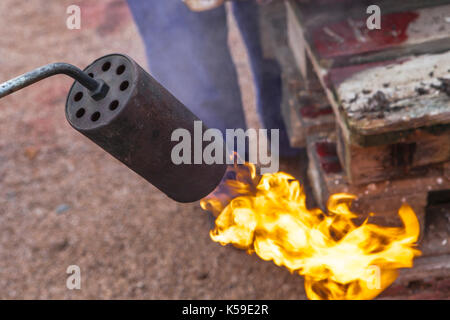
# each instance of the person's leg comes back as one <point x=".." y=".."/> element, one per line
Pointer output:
<point x="266" y="72"/>
<point x="189" y="55"/>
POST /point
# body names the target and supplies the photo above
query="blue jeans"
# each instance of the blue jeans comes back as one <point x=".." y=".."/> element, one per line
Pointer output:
<point x="188" y="54"/>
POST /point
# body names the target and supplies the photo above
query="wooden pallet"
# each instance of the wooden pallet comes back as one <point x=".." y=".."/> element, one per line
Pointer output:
<point x="393" y="115"/>
<point x="384" y="198"/>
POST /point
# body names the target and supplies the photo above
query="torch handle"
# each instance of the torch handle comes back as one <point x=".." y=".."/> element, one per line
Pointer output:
<point x="46" y="71"/>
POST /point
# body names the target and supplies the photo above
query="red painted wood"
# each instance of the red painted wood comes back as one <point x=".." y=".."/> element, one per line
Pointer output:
<point x="344" y="38"/>
<point x="313" y="112"/>
<point x="328" y="157"/>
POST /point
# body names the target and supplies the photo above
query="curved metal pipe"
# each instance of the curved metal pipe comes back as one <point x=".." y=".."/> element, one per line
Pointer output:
<point x="46" y="71"/>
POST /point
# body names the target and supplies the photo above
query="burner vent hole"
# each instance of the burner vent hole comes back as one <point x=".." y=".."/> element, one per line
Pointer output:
<point x="120" y="69"/>
<point x="78" y="96"/>
<point x="124" y="85"/>
<point x="95" y="116"/>
<point x="113" y="105"/>
<point x="80" y="112"/>
<point x="106" y="66"/>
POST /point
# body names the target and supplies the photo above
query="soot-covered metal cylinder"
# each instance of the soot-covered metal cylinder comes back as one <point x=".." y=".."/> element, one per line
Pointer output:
<point x="134" y="123"/>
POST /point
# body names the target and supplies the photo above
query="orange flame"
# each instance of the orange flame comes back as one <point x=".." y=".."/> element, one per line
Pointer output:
<point x="338" y="259"/>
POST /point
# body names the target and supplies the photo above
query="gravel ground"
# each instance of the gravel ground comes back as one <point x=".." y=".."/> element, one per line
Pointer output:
<point x="64" y="201"/>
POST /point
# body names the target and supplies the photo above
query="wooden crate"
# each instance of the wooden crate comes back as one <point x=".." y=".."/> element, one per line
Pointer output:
<point x="393" y="115"/>
<point x="327" y="177"/>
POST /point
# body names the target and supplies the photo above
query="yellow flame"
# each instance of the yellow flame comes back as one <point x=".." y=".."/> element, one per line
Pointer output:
<point x="338" y="259"/>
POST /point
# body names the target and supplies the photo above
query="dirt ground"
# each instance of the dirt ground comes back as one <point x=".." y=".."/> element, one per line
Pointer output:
<point x="64" y="201"/>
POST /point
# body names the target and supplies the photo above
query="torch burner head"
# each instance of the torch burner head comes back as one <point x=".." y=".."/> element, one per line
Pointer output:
<point x="86" y="112"/>
<point x="134" y="122"/>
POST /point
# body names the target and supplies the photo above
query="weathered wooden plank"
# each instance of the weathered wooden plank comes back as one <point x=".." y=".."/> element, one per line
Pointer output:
<point x="309" y="113"/>
<point x="405" y="94"/>
<point x="350" y="8"/>
<point x="313" y="109"/>
<point x="350" y="42"/>
<point x="339" y="36"/>
<point x="297" y="42"/>
<point x="409" y="157"/>
<point x="293" y="123"/>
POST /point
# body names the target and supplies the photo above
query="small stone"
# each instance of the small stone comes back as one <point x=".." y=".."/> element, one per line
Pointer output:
<point x="11" y="195"/>
<point x="60" y="245"/>
<point x="439" y="180"/>
<point x="62" y="208"/>
<point x="31" y="152"/>
<point x="444" y="242"/>
<point x="202" y="275"/>
<point x="422" y="91"/>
